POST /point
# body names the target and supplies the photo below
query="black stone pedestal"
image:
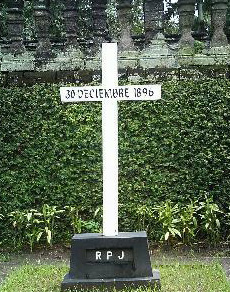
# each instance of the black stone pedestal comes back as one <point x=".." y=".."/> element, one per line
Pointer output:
<point x="111" y="261"/>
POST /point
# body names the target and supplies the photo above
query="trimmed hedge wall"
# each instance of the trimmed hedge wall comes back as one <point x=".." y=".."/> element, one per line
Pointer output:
<point x="50" y="153"/>
<point x="176" y="148"/>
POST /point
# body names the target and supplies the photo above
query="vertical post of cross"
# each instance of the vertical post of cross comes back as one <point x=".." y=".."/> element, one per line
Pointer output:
<point x="110" y="142"/>
<point x="117" y="260"/>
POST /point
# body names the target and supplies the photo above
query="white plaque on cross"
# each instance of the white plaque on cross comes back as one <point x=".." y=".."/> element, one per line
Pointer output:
<point x="109" y="93"/>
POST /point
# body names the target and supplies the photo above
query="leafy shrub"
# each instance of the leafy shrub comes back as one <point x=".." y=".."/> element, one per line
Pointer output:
<point x="210" y="223"/>
<point x="33" y="226"/>
<point x="188" y="220"/>
<point x="168" y="217"/>
<point x="176" y="223"/>
<point x="173" y="149"/>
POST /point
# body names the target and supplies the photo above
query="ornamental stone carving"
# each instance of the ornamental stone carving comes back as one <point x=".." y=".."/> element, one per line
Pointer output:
<point x="70" y="20"/>
<point x="100" y="30"/>
<point x="124" y="15"/>
<point x="27" y="43"/>
<point x="14" y="22"/>
<point x="186" y="10"/>
<point x="153" y="18"/>
<point x="42" y="23"/>
<point x="219" y="9"/>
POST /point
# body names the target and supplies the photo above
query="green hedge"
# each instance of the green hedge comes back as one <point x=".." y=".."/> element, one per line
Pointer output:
<point x="50" y="153"/>
<point x="176" y="148"/>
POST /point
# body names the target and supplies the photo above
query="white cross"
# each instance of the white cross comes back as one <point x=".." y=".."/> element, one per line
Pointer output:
<point x="109" y="93"/>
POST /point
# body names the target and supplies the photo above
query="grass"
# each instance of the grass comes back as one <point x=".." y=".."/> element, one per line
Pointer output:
<point x="177" y="277"/>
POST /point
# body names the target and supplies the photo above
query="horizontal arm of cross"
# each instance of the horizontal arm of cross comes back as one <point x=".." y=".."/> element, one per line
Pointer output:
<point x="119" y="93"/>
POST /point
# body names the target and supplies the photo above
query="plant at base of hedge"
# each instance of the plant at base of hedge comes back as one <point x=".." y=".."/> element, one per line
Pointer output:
<point x="76" y="221"/>
<point x="168" y="217"/>
<point x="49" y="214"/>
<point x="188" y="222"/>
<point x="91" y="226"/>
<point x="28" y="225"/>
<point x="78" y="224"/>
<point x="209" y="219"/>
<point x="17" y="218"/>
<point x="145" y="214"/>
<point x="33" y="229"/>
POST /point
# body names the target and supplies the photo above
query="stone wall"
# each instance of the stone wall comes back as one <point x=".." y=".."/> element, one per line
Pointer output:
<point x="75" y="59"/>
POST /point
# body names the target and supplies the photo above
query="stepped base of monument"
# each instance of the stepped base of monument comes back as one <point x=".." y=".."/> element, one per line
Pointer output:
<point x="109" y="262"/>
<point x="110" y="284"/>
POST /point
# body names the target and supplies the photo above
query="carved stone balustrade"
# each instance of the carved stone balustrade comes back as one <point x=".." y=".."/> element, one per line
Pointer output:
<point x="153" y="18"/>
<point x="70" y="20"/>
<point x="99" y="25"/>
<point x="153" y="24"/>
<point x="186" y="10"/>
<point x="46" y="53"/>
<point x="124" y="16"/>
<point x="42" y="22"/>
<point x="15" y="25"/>
<point x="219" y="9"/>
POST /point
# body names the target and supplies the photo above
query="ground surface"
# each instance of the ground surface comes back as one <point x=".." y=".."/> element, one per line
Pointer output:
<point x="9" y="262"/>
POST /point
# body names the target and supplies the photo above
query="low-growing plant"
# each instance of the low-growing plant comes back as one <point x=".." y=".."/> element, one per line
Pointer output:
<point x="91" y="226"/>
<point x="17" y="219"/>
<point x="172" y="222"/>
<point x="188" y="222"/>
<point x="50" y="213"/>
<point x="210" y="223"/>
<point x="145" y="215"/>
<point x="28" y="227"/>
<point x="33" y="227"/>
<point x="198" y="47"/>
<point x="76" y="221"/>
<point x="169" y="218"/>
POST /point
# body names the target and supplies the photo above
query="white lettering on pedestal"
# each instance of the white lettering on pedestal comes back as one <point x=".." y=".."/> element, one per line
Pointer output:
<point x="98" y="255"/>
<point x="109" y="255"/>
<point x="122" y="255"/>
